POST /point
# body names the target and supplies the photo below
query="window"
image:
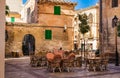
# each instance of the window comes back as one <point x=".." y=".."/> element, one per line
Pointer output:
<point x="48" y="34"/>
<point x="90" y="18"/>
<point x="114" y="3"/>
<point x="57" y="10"/>
<point x="12" y="19"/>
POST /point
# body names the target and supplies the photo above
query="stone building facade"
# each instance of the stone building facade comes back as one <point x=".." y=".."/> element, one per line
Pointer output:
<point x="92" y="37"/>
<point x="15" y="7"/>
<point x="108" y="10"/>
<point x="108" y="13"/>
<point x="53" y="30"/>
<point x="29" y="11"/>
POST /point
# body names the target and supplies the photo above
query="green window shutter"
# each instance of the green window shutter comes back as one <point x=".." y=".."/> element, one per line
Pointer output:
<point x="48" y="34"/>
<point x="12" y="19"/>
<point x="57" y="10"/>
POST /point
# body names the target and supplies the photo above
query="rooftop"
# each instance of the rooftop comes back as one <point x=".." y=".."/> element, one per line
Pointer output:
<point x="58" y="1"/>
<point x="89" y="8"/>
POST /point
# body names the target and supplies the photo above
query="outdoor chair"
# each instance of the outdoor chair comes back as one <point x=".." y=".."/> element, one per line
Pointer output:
<point x="43" y="59"/>
<point x="104" y="61"/>
<point x="98" y="65"/>
<point x="91" y="65"/>
<point x="69" y="62"/>
<point x="33" y="60"/>
<point x="50" y="58"/>
<point x="55" y="64"/>
<point x="78" y="61"/>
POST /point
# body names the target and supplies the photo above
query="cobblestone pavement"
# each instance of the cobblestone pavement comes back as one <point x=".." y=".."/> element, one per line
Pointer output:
<point x="20" y="68"/>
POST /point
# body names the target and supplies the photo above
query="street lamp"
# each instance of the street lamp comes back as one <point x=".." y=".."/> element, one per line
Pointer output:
<point x="115" y="21"/>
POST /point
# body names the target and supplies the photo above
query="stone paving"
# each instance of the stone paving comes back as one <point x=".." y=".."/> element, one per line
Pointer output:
<point x="20" y="68"/>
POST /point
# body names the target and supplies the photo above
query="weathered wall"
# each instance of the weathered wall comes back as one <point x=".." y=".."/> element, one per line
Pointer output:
<point x="14" y="5"/>
<point x="17" y="32"/>
<point x="108" y="34"/>
<point x="2" y="37"/>
<point x="47" y="17"/>
<point x="46" y="20"/>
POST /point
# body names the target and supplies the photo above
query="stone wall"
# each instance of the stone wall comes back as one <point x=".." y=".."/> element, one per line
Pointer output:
<point x="46" y="15"/>
<point x="108" y="33"/>
<point x="16" y="33"/>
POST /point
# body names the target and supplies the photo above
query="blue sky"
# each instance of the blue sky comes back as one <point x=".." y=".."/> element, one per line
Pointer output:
<point x="84" y="3"/>
<point x="81" y="3"/>
<point x="24" y="1"/>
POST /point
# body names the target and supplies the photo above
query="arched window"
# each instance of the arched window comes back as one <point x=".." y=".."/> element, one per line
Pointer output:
<point x="90" y="18"/>
<point x="114" y="3"/>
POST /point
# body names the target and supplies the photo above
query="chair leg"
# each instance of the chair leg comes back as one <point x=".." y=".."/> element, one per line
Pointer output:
<point x="59" y="69"/>
<point x="53" y="70"/>
<point x="68" y="69"/>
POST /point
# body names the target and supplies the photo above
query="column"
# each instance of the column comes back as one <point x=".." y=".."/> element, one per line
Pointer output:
<point x="2" y="37"/>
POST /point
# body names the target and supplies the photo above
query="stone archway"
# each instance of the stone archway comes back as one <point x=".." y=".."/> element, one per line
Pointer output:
<point x="28" y="44"/>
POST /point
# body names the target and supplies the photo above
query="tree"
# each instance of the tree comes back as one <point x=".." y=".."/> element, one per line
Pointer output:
<point x="118" y="29"/>
<point x="83" y="27"/>
<point x="7" y="10"/>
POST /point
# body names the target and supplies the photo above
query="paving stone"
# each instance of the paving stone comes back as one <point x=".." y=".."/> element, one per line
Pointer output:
<point x="20" y="68"/>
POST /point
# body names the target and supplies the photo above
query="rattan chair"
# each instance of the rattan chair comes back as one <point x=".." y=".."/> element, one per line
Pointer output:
<point x="33" y="61"/>
<point x="55" y="64"/>
<point x="69" y="62"/>
<point x="104" y="61"/>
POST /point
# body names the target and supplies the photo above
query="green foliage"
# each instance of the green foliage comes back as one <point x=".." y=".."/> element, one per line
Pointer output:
<point x="118" y="29"/>
<point x="83" y="26"/>
<point x="7" y="10"/>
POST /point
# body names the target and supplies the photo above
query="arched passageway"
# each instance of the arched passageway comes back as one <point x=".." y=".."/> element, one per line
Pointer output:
<point x="28" y="44"/>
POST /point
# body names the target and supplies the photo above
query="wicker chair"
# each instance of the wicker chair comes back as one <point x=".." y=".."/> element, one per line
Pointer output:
<point x="91" y="65"/>
<point x="55" y="64"/>
<point x="69" y="62"/>
<point x="104" y="61"/>
<point x="98" y="65"/>
<point x="33" y="61"/>
<point x="50" y="58"/>
<point x="43" y="59"/>
<point x="78" y="62"/>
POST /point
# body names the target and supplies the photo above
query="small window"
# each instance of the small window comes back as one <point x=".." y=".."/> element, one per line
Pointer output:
<point x="48" y="34"/>
<point x="114" y="3"/>
<point x="12" y="19"/>
<point x="57" y="10"/>
<point x="90" y="18"/>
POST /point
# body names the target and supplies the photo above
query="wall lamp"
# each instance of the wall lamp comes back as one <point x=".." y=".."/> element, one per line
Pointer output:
<point x="65" y="28"/>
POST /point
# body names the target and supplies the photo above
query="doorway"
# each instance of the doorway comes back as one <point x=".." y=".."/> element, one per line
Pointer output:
<point x="28" y="44"/>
